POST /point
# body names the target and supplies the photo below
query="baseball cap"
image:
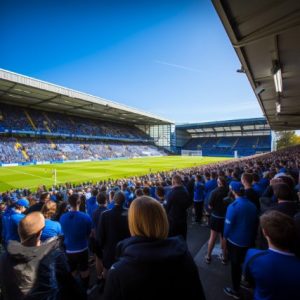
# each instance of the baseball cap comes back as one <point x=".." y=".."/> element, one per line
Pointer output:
<point x="236" y="186"/>
<point x="23" y="202"/>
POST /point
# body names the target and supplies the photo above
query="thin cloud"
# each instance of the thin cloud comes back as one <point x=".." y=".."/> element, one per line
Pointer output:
<point x="177" y="66"/>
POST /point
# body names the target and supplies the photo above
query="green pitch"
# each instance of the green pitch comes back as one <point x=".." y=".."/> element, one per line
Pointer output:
<point x="33" y="176"/>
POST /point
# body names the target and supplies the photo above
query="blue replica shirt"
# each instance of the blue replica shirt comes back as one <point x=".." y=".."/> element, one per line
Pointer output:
<point x="111" y="205"/>
<point x="52" y="228"/>
<point x="92" y="205"/>
<point x="153" y="192"/>
<point x="258" y="189"/>
<point x="264" y="182"/>
<point x="199" y="191"/>
<point x="241" y="222"/>
<point x="167" y="189"/>
<point x="76" y="227"/>
<point x="15" y="219"/>
<point x="209" y="186"/>
<point x="5" y="224"/>
<point x="276" y="274"/>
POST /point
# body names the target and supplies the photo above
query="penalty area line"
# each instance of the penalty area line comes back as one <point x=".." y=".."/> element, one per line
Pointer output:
<point x="26" y="173"/>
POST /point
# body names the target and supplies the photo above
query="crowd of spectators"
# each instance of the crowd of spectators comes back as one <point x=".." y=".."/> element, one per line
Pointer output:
<point x="16" y="118"/>
<point x="135" y="229"/>
<point x="12" y="150"/>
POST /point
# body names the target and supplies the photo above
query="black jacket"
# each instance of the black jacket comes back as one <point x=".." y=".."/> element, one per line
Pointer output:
<point x="289" y="208"/>
<point x="112" y="228"/>
<point x="153" y="269"/>
<point x="253" y="197"/>
<point x="35" y="207"/>
<point x="217" y="203"/>
<point x="177" y="203"/>
<point x="36" y="273"/>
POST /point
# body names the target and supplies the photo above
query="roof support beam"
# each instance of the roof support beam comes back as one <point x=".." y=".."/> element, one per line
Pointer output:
<point x="281" y="25"/>
<point x="43" y="101"/>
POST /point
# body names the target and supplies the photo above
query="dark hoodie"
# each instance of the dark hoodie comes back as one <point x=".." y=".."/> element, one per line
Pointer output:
<point x="153" y="269"/>
<point x="36" y="272"/>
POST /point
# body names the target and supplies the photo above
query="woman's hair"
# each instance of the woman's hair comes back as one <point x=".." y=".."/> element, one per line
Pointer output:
<point x="61" y="209"/>
<point x="148" y="218"/>
<point x="49" y="209"/>
<point x="160" y="192"/>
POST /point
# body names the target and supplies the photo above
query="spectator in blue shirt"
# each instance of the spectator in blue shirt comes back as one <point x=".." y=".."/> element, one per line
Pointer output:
<point x="76" y="227"/>
<point x="210" y="184"/>
<point x="198" y="198"/>
<point x="52" y="228"/>
<point x="92" y="203"/>
<point x="15" y="218"/>
<point x="2" y="210"/>
<point x="256" y="185"/>
<point x="275" y="272"/>
<point x="240" y="231"/>
<point x="9" y="210"/>
<point x="126" y="192"/>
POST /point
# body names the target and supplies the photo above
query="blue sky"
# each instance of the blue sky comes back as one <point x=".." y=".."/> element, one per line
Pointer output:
<point x="171" y="58"/>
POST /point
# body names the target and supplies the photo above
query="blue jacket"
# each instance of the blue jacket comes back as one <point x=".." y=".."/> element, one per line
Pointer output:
<point x="241" y="222"/>
<point x="199" y="191"/>
<point x="276" y="275"/>
<point x="6" y="224"/>
<point x="258" y="189"/>
<point x="92" y="205"/>
<point x="15" y="219"/>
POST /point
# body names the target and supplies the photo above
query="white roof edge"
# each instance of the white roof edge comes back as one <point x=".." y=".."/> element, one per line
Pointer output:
<point x="36" y="83"/>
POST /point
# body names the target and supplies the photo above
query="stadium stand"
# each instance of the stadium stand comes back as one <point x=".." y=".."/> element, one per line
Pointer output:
<point x="40" y="121"/>
<point x="18" y="119"/>
<point x="223" y="138"/>
<point x="18" y="150"/>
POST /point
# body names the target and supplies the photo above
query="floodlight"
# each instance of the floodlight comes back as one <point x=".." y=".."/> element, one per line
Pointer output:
<point x="278" y="107"/>
<point x="277" y="75"/>
<point x="241" y="70"/>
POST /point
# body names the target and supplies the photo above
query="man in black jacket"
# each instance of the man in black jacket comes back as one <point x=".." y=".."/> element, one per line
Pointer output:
<point x="32" y="270"/>
<point x="250" y="193"/>
<point x="178" y="202"/>
<point x="38" y="206"/>
<point x="112" y="228"/>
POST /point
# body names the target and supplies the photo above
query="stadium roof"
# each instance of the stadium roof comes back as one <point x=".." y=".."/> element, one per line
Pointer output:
<point x="265" y="35"/>
<point x="16" y="89"/>
<point x="254" y="126"/>
<point x="237" y="122"/>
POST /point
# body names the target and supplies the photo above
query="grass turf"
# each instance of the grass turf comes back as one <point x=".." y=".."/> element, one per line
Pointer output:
<point x="33" y="176"/>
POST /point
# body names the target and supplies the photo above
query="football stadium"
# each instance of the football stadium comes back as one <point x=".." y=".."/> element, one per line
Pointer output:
<point x="105" y="200"/>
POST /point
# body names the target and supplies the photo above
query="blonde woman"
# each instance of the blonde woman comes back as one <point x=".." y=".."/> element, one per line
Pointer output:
<point x="150" y="265"/>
